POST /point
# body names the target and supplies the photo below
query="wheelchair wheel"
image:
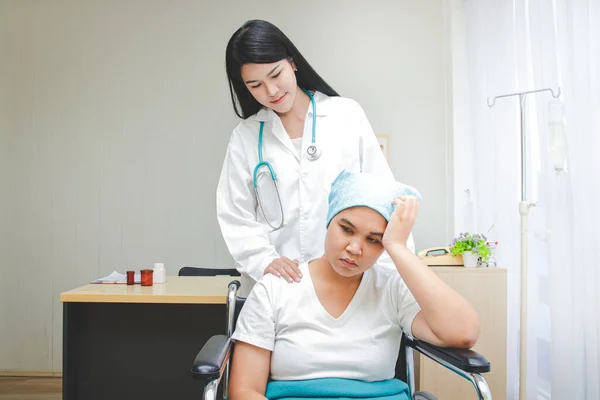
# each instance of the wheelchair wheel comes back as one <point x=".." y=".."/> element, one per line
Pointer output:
<point x="423" y="396"/>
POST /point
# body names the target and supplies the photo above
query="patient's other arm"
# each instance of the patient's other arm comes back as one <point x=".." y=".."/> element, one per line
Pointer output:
<point x="249" y="372"/>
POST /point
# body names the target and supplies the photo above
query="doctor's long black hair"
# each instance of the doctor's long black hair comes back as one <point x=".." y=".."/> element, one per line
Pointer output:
<point x="260" y="42"/>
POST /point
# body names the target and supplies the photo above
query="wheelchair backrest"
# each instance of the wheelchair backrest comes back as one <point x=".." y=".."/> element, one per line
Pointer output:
<point x="239" y="303"/>
<point x="200" y="271"/>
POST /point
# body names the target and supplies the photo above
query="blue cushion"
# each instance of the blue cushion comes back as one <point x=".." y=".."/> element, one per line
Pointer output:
<point x="335" y="388"/>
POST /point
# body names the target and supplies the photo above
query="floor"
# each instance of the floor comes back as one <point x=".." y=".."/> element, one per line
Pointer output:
<point x="13" y="388"/>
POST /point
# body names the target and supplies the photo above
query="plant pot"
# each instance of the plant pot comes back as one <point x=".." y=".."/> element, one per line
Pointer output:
<point x="469" y="259"/>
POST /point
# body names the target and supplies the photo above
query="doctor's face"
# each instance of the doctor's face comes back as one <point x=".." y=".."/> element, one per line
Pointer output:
<point x="353" y="241"/>
<point x="272" y="85"/>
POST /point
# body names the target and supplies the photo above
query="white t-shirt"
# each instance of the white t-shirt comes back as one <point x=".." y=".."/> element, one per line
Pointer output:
<point x="298" y="146"/>
<point x="308" y="343"/>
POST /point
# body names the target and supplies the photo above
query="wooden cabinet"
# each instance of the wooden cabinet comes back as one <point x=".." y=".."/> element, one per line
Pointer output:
<point x="485" y="289"/>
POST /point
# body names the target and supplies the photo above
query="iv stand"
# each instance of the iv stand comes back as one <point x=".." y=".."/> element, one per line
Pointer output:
<point x="524" y="207"/>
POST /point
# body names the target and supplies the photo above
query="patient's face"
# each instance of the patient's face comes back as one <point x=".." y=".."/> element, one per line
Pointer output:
<point x="353" y="241"/>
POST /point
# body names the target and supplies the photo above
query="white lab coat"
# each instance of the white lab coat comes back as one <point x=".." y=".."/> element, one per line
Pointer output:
<point x="346" y="141"/>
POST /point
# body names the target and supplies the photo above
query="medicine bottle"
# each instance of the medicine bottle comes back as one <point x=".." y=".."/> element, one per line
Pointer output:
<point x="159" y="273"/>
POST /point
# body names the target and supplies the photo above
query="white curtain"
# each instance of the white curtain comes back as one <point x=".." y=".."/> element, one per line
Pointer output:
<point x="501" y="47"/>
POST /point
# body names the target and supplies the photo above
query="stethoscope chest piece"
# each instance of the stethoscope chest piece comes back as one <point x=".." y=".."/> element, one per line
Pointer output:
<point x="313" y="152"/>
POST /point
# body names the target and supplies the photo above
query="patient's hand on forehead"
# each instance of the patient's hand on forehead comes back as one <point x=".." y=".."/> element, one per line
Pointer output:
<point x="402" y="221"/>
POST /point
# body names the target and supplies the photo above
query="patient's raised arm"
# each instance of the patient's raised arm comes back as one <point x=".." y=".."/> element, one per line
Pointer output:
<point x="446" y="318"/>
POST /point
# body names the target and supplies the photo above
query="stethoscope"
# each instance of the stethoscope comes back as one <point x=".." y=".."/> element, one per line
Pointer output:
<point x="312" y="153"/>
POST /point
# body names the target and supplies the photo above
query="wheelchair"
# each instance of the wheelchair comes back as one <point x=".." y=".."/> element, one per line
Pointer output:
<point x="211" y="365"/>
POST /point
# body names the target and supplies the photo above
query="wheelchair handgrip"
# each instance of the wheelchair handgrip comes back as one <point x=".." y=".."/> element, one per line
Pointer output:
<point x="467" y="360"/>
<point x="211" y="359"/>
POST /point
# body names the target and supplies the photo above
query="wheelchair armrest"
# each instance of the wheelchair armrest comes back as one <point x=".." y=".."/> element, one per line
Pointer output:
<point x="467" y="360"/>
<point x="212" y="358"/>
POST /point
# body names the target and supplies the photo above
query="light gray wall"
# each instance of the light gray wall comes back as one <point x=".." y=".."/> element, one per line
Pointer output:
<point x="4" y="211"/>
<point x="115" y="117"/>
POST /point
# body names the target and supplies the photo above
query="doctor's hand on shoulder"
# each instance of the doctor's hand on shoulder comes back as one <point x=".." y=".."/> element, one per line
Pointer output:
<point x="401" y="223"/>
<point x="286" y="268"/>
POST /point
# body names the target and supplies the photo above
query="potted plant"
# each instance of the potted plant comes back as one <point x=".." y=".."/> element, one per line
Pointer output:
<point x="472" y="247"/>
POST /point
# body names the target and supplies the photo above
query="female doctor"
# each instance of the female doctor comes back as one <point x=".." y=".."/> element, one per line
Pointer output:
<point x="296" y="136"/>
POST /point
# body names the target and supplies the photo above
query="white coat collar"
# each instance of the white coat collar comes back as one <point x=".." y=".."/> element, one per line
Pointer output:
<point x="322" y="103"/>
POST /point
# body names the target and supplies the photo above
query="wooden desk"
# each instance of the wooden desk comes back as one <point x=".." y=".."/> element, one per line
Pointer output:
<point x="176" y="290"/>
<point x="133" y="342"/>
<point x="485" y="289"/>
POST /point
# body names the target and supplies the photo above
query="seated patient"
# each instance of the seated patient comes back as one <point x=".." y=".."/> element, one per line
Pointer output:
<point x="345" y="318"/>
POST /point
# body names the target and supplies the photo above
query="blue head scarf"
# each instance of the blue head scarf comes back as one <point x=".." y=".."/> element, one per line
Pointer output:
<point x="352" y="189"/>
